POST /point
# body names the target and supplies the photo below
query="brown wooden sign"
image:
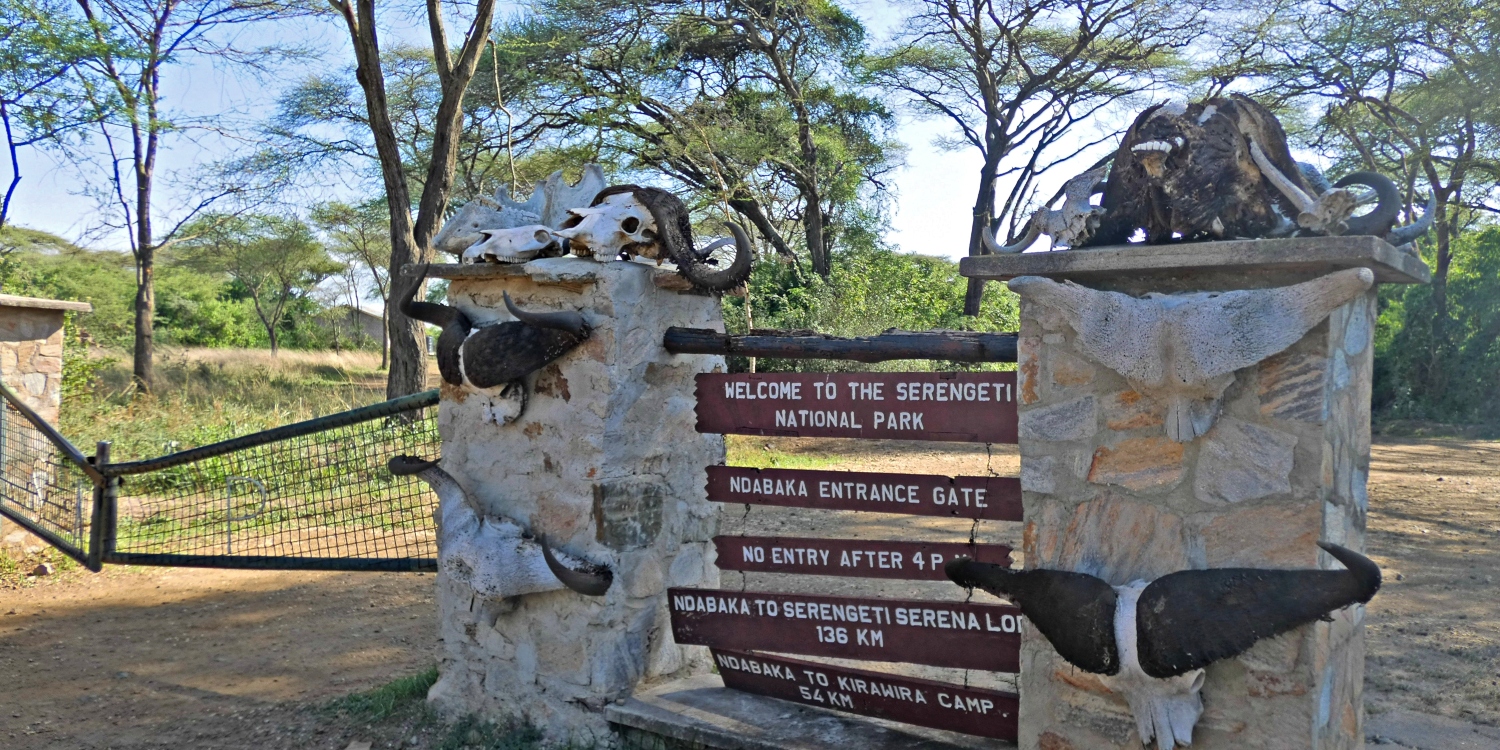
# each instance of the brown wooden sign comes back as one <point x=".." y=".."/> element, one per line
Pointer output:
<point x="926" y="703"/>
<point x="987" y="498"/>
<point x="976" y="407"/>
<point x="912" y="561"/>
<point x="915" y="631"/>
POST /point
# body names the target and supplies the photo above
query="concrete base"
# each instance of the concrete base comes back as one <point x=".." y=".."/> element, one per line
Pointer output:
<point x="697" y="713"/>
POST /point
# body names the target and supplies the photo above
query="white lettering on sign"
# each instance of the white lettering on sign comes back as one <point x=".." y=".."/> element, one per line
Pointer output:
<point x="763" y="390"/>
<point x="899" y="420"/>
<point x="759" y="486"/>
<point x="883" y="560"/>
<point x="817" y="418"/>
<point x="879" y="493"/>
<point x="916" y="617"/>
<point x="950" y="391"/>
<point x="852" y="684"/>
<point x="755" y="666"/>
<point x="964" y="703"/>
<point x="968" y="497"/>
<point x="815" y="686"/>
<point x="866" y="391"/>
<point x="798" y="556"/>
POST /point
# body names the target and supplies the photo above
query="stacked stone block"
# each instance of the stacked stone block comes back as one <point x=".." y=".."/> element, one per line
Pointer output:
<point x="607" y="463"/>
<point x="1107" y="493"/>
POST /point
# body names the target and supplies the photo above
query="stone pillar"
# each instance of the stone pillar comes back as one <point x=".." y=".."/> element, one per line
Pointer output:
<point x="605" y="461"/>
<point x="1284" y="465"/>
<point x="31" y="359"/>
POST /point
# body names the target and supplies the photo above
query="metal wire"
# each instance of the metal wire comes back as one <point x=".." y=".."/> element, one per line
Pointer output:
<point x="40" y="487"/>
<point x="318" y="500"/>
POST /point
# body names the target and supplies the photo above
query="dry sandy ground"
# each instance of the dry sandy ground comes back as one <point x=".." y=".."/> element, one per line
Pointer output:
<point x="181" y="658"/>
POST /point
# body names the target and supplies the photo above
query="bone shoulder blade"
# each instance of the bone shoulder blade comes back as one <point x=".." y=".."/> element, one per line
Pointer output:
<point x="1151" y="640"/>
<point x="494" y="555"/>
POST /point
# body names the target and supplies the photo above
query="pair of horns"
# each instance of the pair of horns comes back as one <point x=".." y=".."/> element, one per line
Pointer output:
<point x="568" y="321"/>
<point x="592" y="580"/>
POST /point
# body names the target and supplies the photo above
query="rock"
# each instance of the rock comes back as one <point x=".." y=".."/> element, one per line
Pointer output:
<point x="1112" y="537"/>
<point x="45" y="569"/>
<point x="358" y="745"/>
<point x="1291" y="386"/>
<point x="1277" y="535"/>
<point x="1070" y="420"/>
<point x="1243" y="461"/>
<point x="1139" y="464"/>
<point x="1068" y="370"/>
<point x="1132" y="410"/>
<point x="1038" y="474"/>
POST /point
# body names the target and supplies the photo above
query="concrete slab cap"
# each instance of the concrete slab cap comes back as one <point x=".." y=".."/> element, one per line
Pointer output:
<point x="9" y="300"/>
<point x="1313" y="255"/>
<point x="701" y="710"/>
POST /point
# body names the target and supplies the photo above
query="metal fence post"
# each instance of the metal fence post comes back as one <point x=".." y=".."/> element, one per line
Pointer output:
<point x="100" y="537"/>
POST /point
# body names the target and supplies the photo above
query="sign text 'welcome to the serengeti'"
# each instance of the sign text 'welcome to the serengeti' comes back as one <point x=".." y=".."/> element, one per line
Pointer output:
<point x="959" y="406"/>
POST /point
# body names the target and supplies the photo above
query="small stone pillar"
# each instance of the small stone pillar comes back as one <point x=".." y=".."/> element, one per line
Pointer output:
<point x="31" y="359"/>
<point x="606" y="462"/>
<point x="1284" y="465"/>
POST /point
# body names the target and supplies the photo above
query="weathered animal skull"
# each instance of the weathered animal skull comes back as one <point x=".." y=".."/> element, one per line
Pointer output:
<point x="516" y="245"/>
<point x="620" y="223"/>
<point x="463" y="230"/>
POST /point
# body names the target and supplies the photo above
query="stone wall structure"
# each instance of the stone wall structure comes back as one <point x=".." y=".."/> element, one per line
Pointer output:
<point x="605" y="461"/>
<point x="31" y="359"/>
<point x="1283" y="466"/>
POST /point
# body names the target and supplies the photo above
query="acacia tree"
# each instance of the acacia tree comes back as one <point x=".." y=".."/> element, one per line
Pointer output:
<point x="1409" y="89"/>
<point x="41" y="101"/>
<point x="361" y="237"/>
<point x="749" y="106"/>
<point x="276" y="260"/>
<point x="1020" y="76"/>
<point x="139" y="42"/>
<point x="411" y="238"/>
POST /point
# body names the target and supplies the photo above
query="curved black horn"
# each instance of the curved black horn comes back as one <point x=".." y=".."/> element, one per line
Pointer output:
<point x="1075" y="611"/>
<point x="720" y="281"/>
<point x="1403" y="235"/>
<point x="439" y="315"/>
<point x="1378" y="221"/>
<point x="588" y="583"/>
<point x="569" y="321"/>
<point x="405" y="466"/>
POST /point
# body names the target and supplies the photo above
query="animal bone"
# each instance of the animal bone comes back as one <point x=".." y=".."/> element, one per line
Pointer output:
<point x="465" y="228"/>
<point x="1328" y="213"/>
<point x="552" y="197"/>
<point x="1183" y="350"/>
<point x="1151" y="641"/>
<point x="487" y="359"/>
<point x="515" y="245"/>
<point x="618" y="224"/>
<point x="1070" y="226"/>
<point x="494" y="555"/>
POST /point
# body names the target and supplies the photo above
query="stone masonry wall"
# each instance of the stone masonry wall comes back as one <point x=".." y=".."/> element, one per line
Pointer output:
<point x="1107" y="493"/>
<point x="607" y="463"/>
<point x="31" y="357"/>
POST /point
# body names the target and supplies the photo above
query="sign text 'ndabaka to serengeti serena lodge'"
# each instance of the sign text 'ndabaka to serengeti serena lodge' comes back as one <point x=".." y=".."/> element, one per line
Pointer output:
<point x="958" y="406"/>
<point x="914" y="631"/>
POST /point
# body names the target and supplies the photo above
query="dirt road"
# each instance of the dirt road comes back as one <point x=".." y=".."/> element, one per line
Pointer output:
<point x="182" y="658"/>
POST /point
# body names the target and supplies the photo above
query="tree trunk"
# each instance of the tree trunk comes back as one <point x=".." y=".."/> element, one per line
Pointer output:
<point x="143" y="364"/>
<point x="751" y="210"/>
<point x="984" y="207"/>
<point x="385" y="338"/>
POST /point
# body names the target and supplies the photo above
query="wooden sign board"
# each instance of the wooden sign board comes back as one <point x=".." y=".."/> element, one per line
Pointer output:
<point x="976" y="407"/>
<point x="914" y="631"/>
<point x="925" y="703"/>
<point x="911" y="561"/>
<point x="985" y="498"/>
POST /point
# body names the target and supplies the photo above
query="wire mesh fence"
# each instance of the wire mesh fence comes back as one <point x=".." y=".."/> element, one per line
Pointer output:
<point x="41" y="487"/>
<point x="318" y="499"/>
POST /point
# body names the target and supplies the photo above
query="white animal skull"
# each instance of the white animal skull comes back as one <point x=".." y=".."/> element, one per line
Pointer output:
<point x="463" y="229"/>
<point x="618" y="224"/>
<point x="516" y="245"/>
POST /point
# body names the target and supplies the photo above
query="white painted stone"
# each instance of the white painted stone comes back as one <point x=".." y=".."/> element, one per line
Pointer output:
<point x="1357" y="330"/>
<point x="1038" y="474"/>
<point x="35" y="383"/>
<point x="1340" y="370"/>
<point x="574" y="467"/>
<point x="1070" y="420"/>
<point x="1243" y="461"/>
<point x="1183" y="349"/>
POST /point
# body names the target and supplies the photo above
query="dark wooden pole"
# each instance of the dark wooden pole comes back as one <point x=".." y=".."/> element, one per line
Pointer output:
<point x="954" y="346"/>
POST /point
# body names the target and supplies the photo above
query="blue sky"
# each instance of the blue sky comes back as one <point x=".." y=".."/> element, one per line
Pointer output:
<point x="933" y="192"/>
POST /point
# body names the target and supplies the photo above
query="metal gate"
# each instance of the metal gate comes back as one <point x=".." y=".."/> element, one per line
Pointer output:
<point x="315" y="495"/>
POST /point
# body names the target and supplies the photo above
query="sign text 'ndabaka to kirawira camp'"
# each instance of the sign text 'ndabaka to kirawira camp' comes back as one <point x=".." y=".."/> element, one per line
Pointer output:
<point x="914" y="631"/>
<point x="986" y="713"/>
<point x="976" y="407"/>
<point x="913" y="561"/>
<point x="984" y="498"/>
